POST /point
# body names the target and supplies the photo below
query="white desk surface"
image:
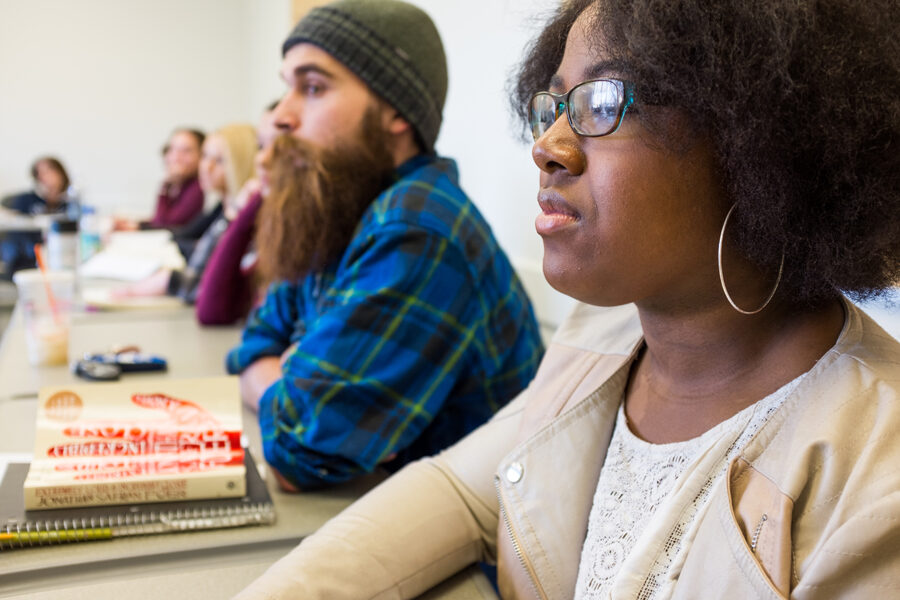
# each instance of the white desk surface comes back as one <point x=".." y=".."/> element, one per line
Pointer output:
<point x="191" y="350"/>
<point x="207" y="564"/>
<point x="11" y="220"/>
<point x="26" y="571"/>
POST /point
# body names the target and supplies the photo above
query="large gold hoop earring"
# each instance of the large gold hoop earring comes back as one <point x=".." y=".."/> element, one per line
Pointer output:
<point x="722" y="273"/>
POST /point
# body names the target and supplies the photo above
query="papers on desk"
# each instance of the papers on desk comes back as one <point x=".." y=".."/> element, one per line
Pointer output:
<point x="133" y="256"/>
<point x="140" y="240"/>
<point x="102" y="298"/>
<point x="110" y="265"/>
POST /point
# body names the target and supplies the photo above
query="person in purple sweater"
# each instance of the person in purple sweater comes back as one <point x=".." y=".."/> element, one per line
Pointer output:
<point x="180" y="198"/>
<point x="228" y="286"/>
<point x="227" y="164"/>
<point x="227" y="289"/>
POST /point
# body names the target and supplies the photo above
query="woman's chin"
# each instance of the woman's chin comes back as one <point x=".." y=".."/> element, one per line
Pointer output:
<point x="562" y="275"/>
<point x="580" y="284"/>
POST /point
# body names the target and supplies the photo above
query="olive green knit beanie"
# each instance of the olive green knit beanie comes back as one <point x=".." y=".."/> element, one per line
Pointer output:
<point x="393" y="47"/>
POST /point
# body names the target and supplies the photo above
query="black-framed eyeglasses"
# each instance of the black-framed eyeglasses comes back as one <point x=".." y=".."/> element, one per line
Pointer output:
<point x="594" y="108"/>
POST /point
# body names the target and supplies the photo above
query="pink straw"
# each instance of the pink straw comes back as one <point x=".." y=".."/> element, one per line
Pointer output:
<point x="39" y="255"/>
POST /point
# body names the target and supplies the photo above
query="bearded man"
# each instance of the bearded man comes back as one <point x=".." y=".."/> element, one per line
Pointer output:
<point x="394" y="323"/>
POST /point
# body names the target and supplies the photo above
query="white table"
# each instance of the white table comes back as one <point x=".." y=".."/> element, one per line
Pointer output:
<point x="89" y="565"/>
<point x="205" y="564"/>
<point x="11" y="220"/>
<point x="191" y="350"/>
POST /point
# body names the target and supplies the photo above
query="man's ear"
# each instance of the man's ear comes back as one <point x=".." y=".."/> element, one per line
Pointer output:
<point x="403" y="137"/>
<point x="397" y="125"/>
<point x="391" y="120"/>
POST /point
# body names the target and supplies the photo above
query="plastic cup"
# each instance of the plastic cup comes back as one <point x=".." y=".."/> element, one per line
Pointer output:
<point x="46" y="321"/>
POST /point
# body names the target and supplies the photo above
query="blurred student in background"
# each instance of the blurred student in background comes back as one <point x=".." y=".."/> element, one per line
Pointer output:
<point x="228" y="286"/>
<point x="48" y="196"/>
<point x="180" y="199"/>
<point x="226" y="165"/>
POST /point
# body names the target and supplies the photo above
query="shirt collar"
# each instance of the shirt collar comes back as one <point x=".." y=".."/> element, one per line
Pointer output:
<point x="413" y="164"/>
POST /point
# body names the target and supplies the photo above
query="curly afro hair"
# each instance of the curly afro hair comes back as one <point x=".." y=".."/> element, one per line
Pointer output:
<point x="801" y="101"/>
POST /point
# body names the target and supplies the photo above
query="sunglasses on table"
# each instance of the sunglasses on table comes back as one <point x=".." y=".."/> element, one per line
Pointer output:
<point x="594" y="108"/>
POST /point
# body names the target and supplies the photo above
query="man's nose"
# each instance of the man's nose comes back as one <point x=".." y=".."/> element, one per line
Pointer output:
<point x="286" y="114"/>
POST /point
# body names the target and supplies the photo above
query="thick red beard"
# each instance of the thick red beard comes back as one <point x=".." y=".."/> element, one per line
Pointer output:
<point x="316" y="199"/>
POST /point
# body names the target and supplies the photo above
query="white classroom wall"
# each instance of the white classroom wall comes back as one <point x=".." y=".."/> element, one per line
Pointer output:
<point x="484" y="42"/>
<point x="269" y="22"/>
<point x="100" y="83"/>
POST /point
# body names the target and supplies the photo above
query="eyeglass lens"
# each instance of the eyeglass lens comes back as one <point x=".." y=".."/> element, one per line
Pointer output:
<point x="594" y="108"/>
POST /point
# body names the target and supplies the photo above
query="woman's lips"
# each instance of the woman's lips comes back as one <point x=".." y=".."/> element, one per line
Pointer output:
<point x="556" y="213"/>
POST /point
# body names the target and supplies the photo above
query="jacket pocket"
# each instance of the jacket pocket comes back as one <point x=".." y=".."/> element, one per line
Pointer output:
<point x="762" y="515"/>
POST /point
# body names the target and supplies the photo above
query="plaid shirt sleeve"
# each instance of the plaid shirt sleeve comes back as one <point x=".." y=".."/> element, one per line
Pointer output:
<point x="369" y="375"/>
<point x="269" y="328"/>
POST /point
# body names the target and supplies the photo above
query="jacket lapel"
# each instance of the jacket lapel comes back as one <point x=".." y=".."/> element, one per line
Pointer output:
<point x="548" y="522"/>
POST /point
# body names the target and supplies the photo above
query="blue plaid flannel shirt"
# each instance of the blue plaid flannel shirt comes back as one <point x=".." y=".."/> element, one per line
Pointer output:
<point x="416" y="337"/>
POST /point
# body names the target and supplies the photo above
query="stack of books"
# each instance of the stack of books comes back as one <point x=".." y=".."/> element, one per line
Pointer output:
<point x="133" y="459"/>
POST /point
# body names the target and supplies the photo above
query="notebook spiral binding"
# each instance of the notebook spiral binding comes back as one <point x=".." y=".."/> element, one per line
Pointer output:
<point x="48" y="532"/>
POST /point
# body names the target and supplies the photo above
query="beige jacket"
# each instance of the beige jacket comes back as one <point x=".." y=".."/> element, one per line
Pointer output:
<point x="811" y="508"/>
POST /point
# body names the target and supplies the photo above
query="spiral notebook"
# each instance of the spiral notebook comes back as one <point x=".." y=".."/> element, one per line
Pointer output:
<point x="20" y="528"/>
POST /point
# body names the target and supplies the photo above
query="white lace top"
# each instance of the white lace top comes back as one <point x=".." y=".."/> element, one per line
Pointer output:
<point x="632" y="543"/>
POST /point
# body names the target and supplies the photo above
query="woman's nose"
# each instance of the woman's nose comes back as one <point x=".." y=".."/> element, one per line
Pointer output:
<point x="559" y="150"/>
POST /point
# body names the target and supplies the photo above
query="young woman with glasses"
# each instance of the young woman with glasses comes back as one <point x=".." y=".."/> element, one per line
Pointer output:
<point x="727" y="171"/>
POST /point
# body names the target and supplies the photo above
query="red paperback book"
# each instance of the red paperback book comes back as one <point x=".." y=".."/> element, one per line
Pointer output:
<point x="137" y="442"/>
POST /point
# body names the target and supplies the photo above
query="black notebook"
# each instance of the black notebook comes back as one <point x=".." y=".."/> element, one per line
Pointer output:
<point x="20" y="528"/>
